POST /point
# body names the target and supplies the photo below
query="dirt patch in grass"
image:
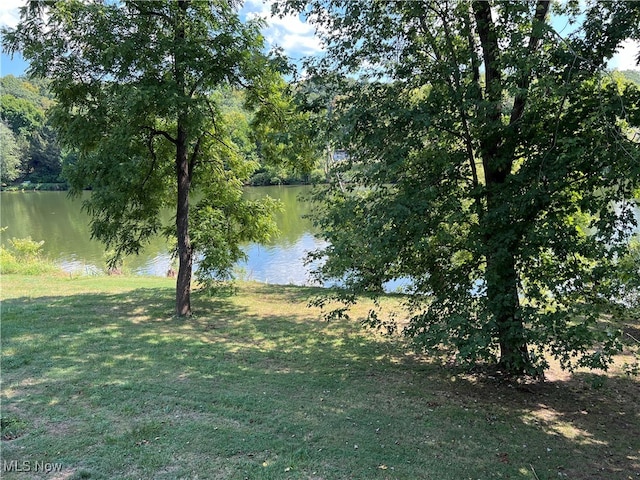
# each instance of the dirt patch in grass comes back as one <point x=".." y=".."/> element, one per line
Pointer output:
<point x="13" y="423"/>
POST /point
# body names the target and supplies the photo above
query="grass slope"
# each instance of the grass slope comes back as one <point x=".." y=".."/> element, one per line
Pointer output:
<point x="100" y="381"/>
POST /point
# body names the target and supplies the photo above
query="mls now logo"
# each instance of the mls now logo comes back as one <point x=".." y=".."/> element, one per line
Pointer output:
<point x="28" y="466"/>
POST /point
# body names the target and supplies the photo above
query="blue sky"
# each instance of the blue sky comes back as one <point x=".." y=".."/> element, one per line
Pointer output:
<point x="296" y="37"/>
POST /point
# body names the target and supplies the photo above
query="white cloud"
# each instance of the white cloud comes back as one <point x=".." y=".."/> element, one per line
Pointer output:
<point x="298" y="38"/>
<point x="290" y="32"/>
<point x="625" y="59"/>
<point x="9" y="12"/>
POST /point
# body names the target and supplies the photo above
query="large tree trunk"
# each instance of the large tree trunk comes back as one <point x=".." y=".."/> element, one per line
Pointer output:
<point x="504" y="304"/>
<point x="185" y="253"/>
<point x="500" y="244"/>
<point x="501" y="240"/>
<point x="498" y="152"/>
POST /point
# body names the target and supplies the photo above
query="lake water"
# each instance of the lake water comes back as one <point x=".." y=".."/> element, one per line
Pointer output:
<point x="64" y="227"/>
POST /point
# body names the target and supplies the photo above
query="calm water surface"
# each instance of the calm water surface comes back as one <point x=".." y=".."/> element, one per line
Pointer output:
<point x="64" y="227"/>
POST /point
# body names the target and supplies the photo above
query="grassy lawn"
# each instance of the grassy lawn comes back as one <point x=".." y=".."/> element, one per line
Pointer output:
<point x="100" y="381"/>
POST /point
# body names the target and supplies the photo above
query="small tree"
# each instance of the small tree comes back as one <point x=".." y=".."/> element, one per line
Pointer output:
<point x="491" y="164"/>
<point x="44" y="157"/>
<point x="9" y="154"/>
<point x="133" y="83"/>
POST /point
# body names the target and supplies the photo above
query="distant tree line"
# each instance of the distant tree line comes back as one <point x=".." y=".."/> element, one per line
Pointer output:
<point x="30" y="151"/>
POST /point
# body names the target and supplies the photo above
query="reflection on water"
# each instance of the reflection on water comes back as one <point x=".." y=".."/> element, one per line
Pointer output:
<point x="157" y="266"/>
<point x="280" y="265"/>
<point x="64" y="226"/>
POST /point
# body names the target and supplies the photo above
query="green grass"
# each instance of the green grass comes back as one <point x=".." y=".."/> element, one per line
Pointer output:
<point x="100" y="377"/>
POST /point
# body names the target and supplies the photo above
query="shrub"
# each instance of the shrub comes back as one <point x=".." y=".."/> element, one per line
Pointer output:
<point x="26" y="248"/>
<point x="25" y="257"/>
<point x="317" y="176"/>
<point x="261" y="179"/>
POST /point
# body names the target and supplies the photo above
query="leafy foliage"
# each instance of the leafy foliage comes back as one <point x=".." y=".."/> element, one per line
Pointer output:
<point x="20" y="114"/>
<point x="9" y="154"/>
<point x="44" y="156"/>
<point x="24" y="256"/>
<point x="26" y="248"/>
<point x="492" y="166"/>
<point x="632" y="75"/>
<point x="629" y="268"/>
<point x="32" y="150"/>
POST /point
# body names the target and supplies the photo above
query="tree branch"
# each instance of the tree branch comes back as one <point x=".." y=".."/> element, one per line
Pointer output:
<point x="195" y="153"/>
<point x="525" y="78"/>
<point x="155" y="14"/>
<point x="155" y="133"/>
<point x="490" y="53"/>
<point x="222" y="142"/>
<point x="456" y="86"/>
<point x="154" y="160"/>
<point x="490" y="113"/>
<point x="473" y="50"/>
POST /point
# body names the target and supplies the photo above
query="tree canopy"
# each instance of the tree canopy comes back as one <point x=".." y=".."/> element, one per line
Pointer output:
<point x="492" y="165"/>
<point x="35" y="154"/>
<point x="9" y="154"/>
<point x="134" y="85"/>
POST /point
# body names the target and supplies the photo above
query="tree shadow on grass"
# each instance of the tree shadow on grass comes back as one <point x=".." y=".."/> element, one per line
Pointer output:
<point x="594" y="418"/>
<point x="290" y="293"/>
<point x="124" y="388"/>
